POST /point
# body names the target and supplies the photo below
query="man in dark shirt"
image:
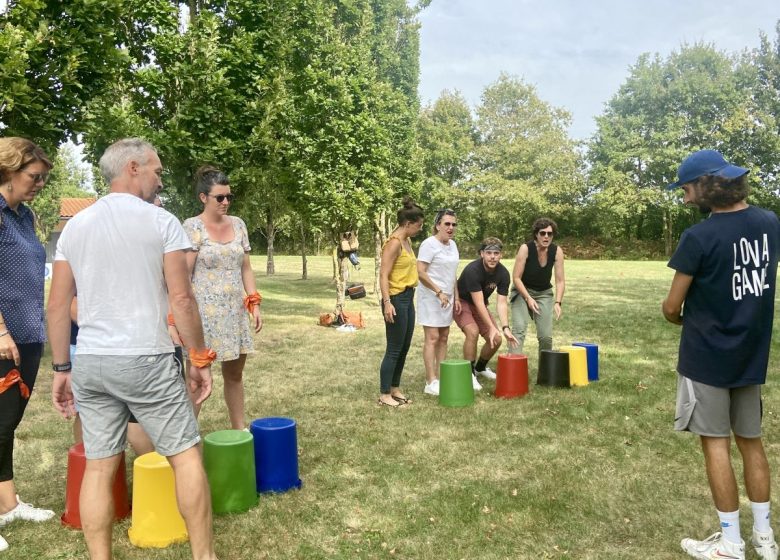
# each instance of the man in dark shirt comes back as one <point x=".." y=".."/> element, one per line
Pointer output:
<point x="723" y="295"/>
<point x="477" y="282"/>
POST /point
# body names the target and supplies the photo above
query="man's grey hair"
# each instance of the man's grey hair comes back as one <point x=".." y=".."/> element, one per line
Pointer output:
<point x="120" y="153"/>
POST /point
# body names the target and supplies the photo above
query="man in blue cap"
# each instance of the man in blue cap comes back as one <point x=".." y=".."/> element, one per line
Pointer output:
<point x="723" y="295"/>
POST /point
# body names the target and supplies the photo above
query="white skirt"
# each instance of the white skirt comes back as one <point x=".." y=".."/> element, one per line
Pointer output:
<point x="430" y="313"/>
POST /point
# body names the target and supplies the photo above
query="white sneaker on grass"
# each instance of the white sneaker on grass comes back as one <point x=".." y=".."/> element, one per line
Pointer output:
<point x="25" y="512"/>
<point x="474" y="383"/>
<point x="432" y="388"/>
<point x="3" y="544"/>
<point x="764" y="544"/>
<point x="487" y="373"/>
<point x="714" y="547"/>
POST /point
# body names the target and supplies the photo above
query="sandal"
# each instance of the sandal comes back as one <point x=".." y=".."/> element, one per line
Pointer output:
<point x="380" y="402"/>
<point x="402" y="400"/>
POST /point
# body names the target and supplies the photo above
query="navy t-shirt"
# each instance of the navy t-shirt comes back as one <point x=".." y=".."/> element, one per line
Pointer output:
<point x="475" y="278"/>
<point x="729" y="307"/>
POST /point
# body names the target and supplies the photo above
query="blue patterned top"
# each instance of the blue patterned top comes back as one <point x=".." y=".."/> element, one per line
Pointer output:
<point x="22" y="271"/>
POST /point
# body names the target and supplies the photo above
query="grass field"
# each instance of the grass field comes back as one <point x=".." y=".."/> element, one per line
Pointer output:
<point x="586" y="473"/>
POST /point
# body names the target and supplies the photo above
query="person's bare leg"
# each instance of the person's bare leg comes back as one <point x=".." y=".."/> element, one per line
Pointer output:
<point x="441" y="348"/>
<point x="77" y="434"/>
<point x="488" y="350"/>
<point x="8" y="499"/>
<point x="756" y="466"/>
<point x="194" y="500"/>
<point x="233" y="375"/>
<point x="430" y="348"/>
<point x="96" y="505"/>
<point x="138" y="439"/>
<point x="723" y="483"/>
<point x="470" y="342"/>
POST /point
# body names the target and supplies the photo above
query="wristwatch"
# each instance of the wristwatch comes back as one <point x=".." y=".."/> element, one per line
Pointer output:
<point x="61" y="368"/>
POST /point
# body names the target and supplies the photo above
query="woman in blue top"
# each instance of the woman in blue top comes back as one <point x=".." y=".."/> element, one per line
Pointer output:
<point x="24" y="170"/>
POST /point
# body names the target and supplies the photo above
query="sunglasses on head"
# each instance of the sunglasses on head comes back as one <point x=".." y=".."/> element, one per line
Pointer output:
<point x="221" y="197"/>
<point x="545" y="233"/>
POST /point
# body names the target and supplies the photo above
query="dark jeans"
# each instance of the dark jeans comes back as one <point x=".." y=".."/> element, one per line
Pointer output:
<point x="399" y="339"/>
<point x="12" y="404"/>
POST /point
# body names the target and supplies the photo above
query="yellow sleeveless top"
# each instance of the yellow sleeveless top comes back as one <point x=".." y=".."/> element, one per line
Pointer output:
<point x="404" y="272"/>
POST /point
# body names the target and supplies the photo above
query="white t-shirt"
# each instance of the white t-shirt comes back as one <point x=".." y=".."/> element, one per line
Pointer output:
<point x="115" y="249"/>
<point x="443" y="260"/>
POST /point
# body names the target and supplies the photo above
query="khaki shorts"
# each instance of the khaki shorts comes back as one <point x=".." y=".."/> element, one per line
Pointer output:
<point x="716" y="411"/>
<point x="110" y="388"/>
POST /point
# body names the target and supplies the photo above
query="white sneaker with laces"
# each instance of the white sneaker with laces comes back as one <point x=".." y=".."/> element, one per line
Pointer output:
<point x="474" y="383"/>
<point x="714" y="547"/>
<point x="764" y="544"/>
<point x="432" y="388"/>
<point x="25" y="512"/>
<point x="487" y="373"/>
<point x="3" y="544"/>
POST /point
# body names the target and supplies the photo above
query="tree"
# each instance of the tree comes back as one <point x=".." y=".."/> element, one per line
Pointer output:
<point x="525" y="164"/>
<point x="697" y="98"/>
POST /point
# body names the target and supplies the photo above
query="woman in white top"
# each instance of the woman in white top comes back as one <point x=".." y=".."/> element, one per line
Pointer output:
<point x="437" y="296"/>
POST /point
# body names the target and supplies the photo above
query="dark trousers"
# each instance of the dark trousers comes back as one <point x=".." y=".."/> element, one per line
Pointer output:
<point x="12" y="404"/>
<point x="399" y="339"/>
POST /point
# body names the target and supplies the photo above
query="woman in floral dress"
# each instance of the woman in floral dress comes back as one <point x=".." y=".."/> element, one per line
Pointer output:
<point x="221" y="276"/>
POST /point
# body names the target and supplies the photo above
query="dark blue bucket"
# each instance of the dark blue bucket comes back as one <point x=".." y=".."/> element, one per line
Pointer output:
<point x="276" y="454"/>
<point x="593" y="359"/>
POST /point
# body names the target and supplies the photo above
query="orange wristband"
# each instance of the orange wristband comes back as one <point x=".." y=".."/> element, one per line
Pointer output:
<point x="252" y="300"/>
<point x="171" y="322"/>
<point x="203" y="357"/>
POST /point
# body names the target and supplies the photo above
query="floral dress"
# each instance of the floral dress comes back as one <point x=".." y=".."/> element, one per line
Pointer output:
<point x="216" y="280"/>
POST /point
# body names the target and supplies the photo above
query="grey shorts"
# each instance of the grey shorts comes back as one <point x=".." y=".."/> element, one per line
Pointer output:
<point x="716" y="411"/>
<point x="110" y="388"/>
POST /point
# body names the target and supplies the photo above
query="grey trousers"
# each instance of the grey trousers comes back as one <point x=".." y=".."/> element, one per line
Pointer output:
<point x="521" y="316"/>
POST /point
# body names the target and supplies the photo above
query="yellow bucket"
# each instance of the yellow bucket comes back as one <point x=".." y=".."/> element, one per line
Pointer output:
<point x="578" y="365"/>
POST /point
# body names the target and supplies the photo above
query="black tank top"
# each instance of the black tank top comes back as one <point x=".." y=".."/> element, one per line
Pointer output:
<point x="535" y="276"/>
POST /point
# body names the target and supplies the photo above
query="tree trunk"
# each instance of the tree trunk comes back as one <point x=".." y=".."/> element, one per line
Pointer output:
<point x="335" y="261"/>
<point x="667" y="232"/>
<point x="304" y="263"/>
<point x="380" y="236"/>
<point x="270" y="233"/>
<point x="341" y="282"/>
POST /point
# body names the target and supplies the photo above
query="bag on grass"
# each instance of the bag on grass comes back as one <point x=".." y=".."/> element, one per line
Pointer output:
<point x="355" y="290"/>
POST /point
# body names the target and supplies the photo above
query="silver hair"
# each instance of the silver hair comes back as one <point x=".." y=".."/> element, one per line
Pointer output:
<point x="118" y="154"/>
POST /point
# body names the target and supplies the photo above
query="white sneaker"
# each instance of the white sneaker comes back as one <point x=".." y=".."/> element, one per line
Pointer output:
<point x="714" y="547"/>
<point x="3" y="544"/>
<point x="475" y="383"/>
<point x="764" y="544"/>
<point x="25" y="512"/>
<point x="487" y="373"/>
<point x="432" y="388"/>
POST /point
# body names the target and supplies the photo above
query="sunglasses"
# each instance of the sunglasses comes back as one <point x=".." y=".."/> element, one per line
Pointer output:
<point x="545" y="233"/>
<point x="221" y="197"/>
<point x="450" y="224"/>
<point x="38" y="177"/>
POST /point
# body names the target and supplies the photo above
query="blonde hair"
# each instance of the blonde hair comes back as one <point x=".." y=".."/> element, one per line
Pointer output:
<point x="17" y="153"/>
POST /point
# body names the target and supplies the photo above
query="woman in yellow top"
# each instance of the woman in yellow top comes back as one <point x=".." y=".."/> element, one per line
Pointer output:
<point x="397" y="280"/>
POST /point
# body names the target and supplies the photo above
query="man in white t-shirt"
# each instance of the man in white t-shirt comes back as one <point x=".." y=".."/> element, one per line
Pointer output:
<point x="127" y="259"/>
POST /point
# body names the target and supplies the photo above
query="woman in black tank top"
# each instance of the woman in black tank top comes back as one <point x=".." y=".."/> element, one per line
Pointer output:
<point x="532" y="294"/>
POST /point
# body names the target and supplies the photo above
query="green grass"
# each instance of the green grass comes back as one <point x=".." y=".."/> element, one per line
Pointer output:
<point x="587" y="473"/>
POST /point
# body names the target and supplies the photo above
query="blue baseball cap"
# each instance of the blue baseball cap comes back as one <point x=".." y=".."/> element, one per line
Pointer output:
<point x="706" y="162"/>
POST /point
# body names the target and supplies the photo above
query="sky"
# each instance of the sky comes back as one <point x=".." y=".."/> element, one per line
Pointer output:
<point x="576" y="52"/>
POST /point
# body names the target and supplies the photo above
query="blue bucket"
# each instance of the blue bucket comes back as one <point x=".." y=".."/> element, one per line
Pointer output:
<point x="276" y="454"/>
<point x="593" y="359"/>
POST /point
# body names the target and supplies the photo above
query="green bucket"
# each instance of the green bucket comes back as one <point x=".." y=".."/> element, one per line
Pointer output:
<point x="455" y="388"/>
<point x="229" y="460"/>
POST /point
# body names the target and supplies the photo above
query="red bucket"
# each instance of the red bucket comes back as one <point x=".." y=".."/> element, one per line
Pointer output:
<point x="76" y="465"/>
<point x="512" y="376"/>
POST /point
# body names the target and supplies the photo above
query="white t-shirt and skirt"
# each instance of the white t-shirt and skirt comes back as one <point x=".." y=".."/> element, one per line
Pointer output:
<point x="442" y="259"/>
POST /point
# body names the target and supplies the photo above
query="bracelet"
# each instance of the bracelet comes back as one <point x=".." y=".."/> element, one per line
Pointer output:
<point x="386" y="300"/>
<point x="252" y="300"/>
<point x="203" y="357"/>
<point x="559" y="303"/>
<point x="3" y="333"/>
<point x="171" y="322"/>
<point x="60" y="368"/>
<point x="437" y="293"/>
<point x="504" y="327"/>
